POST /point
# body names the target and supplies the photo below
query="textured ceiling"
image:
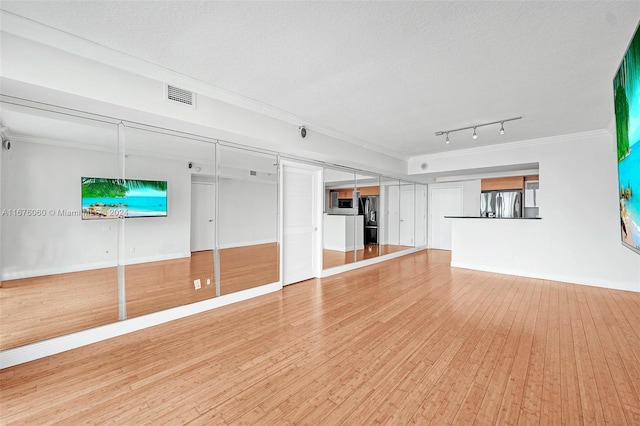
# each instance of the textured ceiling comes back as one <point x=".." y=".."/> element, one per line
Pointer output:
<point x="388" y="74"/>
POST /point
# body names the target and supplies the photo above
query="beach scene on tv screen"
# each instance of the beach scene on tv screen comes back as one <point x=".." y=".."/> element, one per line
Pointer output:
<point x="627" y="110"/>
<point x="104" y="198"/>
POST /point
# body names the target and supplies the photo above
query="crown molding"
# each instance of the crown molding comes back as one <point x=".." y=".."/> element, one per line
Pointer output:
<point x="58" y="39"/>
<point x="511" y="145"/>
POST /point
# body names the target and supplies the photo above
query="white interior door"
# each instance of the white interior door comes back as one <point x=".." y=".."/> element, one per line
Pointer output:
<point x="444" y="202"/>
<point x="300" y="228"/>
<point x="407" y="216"/>
<point x="393" y="215"/>
<point x="202" y="202"/>
<point x="421" y="217"/>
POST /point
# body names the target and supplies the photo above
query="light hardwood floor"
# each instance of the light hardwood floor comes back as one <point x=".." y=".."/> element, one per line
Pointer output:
<point x="409" y="340"/>
<point x="34" y="309"/>
<point x="331" y="258"/>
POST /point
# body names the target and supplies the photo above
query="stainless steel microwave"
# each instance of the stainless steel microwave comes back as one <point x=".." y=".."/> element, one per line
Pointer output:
<point x="345" y="203"/>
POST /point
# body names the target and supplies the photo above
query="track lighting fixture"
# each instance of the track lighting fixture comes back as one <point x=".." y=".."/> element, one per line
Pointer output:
<point x="475" y="133"/>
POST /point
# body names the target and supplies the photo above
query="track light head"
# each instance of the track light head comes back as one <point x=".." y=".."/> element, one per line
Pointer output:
<point x="502" y="127"/>
<point x="447" y="141"/>
<point x="475" y="135"/>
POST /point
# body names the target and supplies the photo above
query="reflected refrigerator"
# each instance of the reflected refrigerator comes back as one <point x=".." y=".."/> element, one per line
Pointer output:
<point x="368" y="208"/>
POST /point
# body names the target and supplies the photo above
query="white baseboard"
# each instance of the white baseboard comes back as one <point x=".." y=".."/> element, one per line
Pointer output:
<point x="361" y="263"/>
<point x="30" y="273"/>
<point x="590" y="281"/>
<point x="247" y="243"/>
<point x="343" y="248"/>
<point x="159" y="258"/>
<point x="15" y="275"/>
<point x="37" y="350"/>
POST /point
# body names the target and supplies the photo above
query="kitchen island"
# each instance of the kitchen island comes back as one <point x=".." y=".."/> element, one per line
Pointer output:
<point x="503" y="245"/>
<point x="343" y="232"/>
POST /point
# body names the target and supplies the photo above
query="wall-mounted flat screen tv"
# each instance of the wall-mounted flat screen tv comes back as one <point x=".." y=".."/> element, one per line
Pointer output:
<point x="104" y="198"/>
<point x="626" y="90"/>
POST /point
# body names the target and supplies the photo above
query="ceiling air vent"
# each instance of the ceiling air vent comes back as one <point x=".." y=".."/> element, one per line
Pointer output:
<point x="180" y="95"/>
<point x="253" y="173"/>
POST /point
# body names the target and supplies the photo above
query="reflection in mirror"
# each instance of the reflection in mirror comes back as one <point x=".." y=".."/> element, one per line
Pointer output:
<point x="248" y="219"/>
<point x="343" y="231"/>
<point x="166" y="176"/>
<point x="368" y="207"/>
<point x="58" y="271"/>
<point x="421" y="215"/>
<point x="407" y="215"/>
<point x="390" y="215"/>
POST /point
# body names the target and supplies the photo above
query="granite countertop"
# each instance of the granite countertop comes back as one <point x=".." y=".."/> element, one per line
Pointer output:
<point x="502" y="218"/>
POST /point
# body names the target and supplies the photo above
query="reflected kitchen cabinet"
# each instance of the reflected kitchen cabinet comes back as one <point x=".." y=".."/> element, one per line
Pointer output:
<point x="348" y="192"/>
<point x="369" y="190"/>
<point x="345" y="193"/>
<point x="339" y="193"/>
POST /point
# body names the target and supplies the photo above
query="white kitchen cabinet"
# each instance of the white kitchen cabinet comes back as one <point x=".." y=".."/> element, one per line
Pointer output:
<point x="531" y="198"/>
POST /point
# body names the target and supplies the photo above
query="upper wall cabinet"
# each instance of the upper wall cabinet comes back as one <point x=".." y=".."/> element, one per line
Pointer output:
<point x="531" y="196"/>
<point x="497" y="184"/>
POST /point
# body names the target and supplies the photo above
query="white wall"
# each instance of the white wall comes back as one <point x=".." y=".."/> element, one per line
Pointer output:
<point x="470" y="195"/>
<point x="37" y="176"/>
<point x="578" y="238"/>
<point x="248" y="213"/>
<point x="42" y="176"/>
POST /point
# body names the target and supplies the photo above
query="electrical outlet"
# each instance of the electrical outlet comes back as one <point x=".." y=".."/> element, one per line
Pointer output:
<point x="197" y="284"/>
<point x="208" y="281"/>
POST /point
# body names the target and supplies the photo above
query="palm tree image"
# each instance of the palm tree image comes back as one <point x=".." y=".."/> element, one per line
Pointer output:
<point x="626" y="84"/>
<point x="626" y="91"/>
<point x="120" y="198"/>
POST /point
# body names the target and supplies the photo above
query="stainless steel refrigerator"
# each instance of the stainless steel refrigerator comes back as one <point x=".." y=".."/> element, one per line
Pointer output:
<point x="501" y="203"/>
<point x="368" y="207"/>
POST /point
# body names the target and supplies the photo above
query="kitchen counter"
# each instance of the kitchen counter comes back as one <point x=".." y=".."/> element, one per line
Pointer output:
<point x="343" y="232"/>
<point x="494" y="244"/>
<point x="482" y="217"/>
